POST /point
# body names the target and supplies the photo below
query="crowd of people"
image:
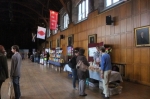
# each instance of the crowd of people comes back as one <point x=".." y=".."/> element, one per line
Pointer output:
<point x="79" y="66"/>
<point x="35" y="57"/>
<point x="101" y="58"/>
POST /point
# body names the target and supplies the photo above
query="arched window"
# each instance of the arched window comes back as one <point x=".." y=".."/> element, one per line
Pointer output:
<point x="83" y="10"/>
<point x="66" y="21"/>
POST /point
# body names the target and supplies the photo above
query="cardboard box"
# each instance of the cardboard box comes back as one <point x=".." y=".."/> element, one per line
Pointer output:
<point x="93" y="84"/>
<point x="115" y="91"/>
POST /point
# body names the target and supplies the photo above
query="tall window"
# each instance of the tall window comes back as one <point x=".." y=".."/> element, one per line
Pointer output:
<point x="48" y="32"/>
<point x="66" y="21"/>
<point x="83" y="10"/>
<point x="111" y="2"/>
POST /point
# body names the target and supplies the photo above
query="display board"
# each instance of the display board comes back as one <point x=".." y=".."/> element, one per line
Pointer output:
<point x="69" y="52"/>
<point x="92" y="49"/>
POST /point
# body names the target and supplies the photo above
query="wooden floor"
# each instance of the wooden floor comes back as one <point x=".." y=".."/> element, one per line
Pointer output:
<point x="43" y="82"/>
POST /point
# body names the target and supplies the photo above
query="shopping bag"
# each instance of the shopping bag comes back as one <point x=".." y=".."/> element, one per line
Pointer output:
<point x="10" y="90"/>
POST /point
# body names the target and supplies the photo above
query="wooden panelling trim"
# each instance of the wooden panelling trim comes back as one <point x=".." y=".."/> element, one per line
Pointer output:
<point x="128" y="16"/>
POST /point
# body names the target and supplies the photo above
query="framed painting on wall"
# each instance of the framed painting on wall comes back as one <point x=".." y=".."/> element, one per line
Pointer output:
<point x="58" y="42"/>
<point x="70" y="40"/>
<point x="142" y="36"/>
<point x="92" y="38"/>
<point x="50" y="44"/>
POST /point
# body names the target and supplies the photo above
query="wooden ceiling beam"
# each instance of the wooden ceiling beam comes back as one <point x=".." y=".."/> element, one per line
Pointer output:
<point x="56" y="6"/>
<point x="22" y="12"/>
<point x="65" y="6"/>
<point x="29" y="7"/>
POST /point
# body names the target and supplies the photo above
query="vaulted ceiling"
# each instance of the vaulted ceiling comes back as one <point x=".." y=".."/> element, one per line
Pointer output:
<point x="19" y="18"/>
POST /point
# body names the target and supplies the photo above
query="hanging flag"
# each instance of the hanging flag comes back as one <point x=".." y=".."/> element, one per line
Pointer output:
<point x="33" y="37"/>
<point x="53" y="19"/>
<point x="41" y="32"/>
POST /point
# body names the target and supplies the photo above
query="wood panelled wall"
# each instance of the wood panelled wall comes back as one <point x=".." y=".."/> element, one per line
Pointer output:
<point x="132" y="14"/>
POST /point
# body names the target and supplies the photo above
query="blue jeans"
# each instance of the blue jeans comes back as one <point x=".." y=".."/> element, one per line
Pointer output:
<point x="75" y="77"/>
<point x="16" y="85"/>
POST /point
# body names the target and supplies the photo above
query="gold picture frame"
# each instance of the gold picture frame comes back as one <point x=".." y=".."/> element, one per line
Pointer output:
<point x="70" y="40"/>
<point x="142" y="36"/>
<point x="92" y="38"/>
<point x="50" y="44"/>
<point x="58" y="42"/>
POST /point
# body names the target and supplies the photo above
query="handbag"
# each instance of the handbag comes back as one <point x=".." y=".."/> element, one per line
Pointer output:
<point x="80" y="65"/>
<point x="10" y="90"/>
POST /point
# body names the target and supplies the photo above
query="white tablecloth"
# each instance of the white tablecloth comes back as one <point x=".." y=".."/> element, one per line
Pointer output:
<point x="95" y="75"/>
<point x="67" y="68"/>
<point x="113" y="77"/>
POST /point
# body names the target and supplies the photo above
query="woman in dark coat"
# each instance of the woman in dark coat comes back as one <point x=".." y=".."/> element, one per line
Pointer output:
<point x="3" y="67"/>
<point x="82" y="75"/>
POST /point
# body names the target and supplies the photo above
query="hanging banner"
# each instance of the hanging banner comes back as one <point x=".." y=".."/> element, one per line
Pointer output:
<point x="41" y="32"/>
<point x="53" y="19"/>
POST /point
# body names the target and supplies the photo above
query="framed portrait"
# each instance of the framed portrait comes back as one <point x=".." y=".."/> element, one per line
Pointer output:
<point x="70" y="40"/>
<point x="58" y="42"/>
<point x="92" y="38"/>
<point x="50" y="44"/>
<point x="142" y="36"/>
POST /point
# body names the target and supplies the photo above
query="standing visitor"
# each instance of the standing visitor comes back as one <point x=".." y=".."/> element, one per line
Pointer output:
<point x="15" y="70"/>
<point x="82" y="75"/>
<point x="72" y="63"/>
<point x="105" y="71"/>
<point x="3" y="67"/>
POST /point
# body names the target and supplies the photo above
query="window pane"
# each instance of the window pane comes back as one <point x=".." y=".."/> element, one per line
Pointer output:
<point x="64" y="21"/>
<point x="108" y="3"/>
<point x="79" y="12"/>
<point x="67" y="20"/>
<point x="114" y="1"/>
<point x="83" y="9"/>
<point x="87" y="7"/>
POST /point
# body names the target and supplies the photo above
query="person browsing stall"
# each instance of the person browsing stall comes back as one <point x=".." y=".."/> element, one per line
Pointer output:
<point x="96" y="56"/>
<point x="82" y="75"/>
<point x="72" y="63"/>
<point x="105" y="71"/>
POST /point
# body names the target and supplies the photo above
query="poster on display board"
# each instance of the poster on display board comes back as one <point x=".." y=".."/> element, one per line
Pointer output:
<point x="47" y="50"/>
<point x="92" y="49"/>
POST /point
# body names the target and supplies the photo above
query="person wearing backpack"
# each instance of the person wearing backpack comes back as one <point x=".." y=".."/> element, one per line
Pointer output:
<point x="3" y="67"/>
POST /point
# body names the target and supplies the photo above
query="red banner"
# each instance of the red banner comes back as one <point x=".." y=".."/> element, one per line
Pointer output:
<point x="53" y="19"/>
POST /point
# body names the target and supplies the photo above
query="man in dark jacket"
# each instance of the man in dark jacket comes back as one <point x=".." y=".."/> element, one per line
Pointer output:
<point x="15" y="70"/>
<point x="73" y="67"/>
